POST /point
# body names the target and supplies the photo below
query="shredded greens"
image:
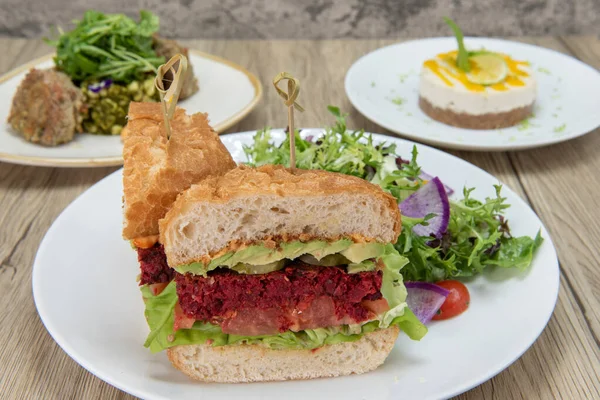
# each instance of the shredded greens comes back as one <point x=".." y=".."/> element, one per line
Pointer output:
<point x="478" y="235"/>
<point x="108" y="46"/>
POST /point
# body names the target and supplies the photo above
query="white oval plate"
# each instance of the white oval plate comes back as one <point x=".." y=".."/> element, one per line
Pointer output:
<point x="84" y="286"/>
<point x="384" y="87"/>
<point x="228" y="92"/>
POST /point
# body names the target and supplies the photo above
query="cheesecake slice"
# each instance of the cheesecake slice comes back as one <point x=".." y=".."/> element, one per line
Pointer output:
<point x="482" y="90"/>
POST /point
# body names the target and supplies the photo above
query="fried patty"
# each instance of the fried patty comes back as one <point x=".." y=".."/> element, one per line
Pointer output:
<point x="47" y="108"/>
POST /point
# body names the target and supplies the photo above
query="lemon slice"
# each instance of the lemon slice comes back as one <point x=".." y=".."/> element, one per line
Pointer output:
<point x="487" y="69"/>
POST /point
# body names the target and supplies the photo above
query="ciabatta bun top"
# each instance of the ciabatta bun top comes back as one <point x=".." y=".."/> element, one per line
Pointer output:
<point x="156" y="170"/>
<point x="247" y="205"/>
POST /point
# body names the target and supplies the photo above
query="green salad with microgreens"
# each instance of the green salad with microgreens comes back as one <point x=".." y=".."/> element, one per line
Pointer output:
<point x="113" y="60"/>
<point x="108" y="46"/>
<point x="466" y="236"/>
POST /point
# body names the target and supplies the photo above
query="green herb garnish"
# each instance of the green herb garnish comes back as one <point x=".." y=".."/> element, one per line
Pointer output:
<point x="462" y="60"/>
<point x="108" y="46"/>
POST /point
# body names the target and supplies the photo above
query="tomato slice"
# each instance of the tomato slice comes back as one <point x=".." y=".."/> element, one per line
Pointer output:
<point x="457" y="301"/>
<point x="157" y="288"/>
<point x="182" y="321"/>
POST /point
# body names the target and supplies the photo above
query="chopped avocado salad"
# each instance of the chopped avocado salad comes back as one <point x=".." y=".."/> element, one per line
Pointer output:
<point x="475" y="234"/>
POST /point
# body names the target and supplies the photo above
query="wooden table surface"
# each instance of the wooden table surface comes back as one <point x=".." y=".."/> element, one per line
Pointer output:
<point x="560" y="182"/>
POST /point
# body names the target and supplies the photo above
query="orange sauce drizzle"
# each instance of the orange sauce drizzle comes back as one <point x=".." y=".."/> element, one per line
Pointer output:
<point x="514" y="81"/>
<point x="443" y="70"/>
<point x="436" y="69"/>
<point x="501" y="87"/>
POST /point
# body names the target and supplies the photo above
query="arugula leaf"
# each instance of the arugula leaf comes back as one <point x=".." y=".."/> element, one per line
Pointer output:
<point x="462" y="60"/>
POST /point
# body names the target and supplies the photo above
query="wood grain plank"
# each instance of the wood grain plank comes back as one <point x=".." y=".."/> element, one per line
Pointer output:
<point x="563" y="363"/>
<point x="562" y="182"/>
<point x="12" y="47"/>
<point x="585" y="48"/>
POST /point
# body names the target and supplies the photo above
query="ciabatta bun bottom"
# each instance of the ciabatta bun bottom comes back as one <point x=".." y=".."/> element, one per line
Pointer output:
<point x="253" y="363"/>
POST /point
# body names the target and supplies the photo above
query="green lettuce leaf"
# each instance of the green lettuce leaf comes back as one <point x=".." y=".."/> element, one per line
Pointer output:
<point x="516" y="252"/>
<point x="392" y="287"/>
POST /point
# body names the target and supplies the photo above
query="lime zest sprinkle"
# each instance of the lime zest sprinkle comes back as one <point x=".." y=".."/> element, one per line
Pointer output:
<point x="560" y="128"/>
<point x="398" y="100"/>
<point x="525" y="124"/>
<point x="544" y="70"/>
<point x="372" y="83"/>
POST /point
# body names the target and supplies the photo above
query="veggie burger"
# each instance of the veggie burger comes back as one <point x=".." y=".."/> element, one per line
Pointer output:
<point x="258" y="274"/>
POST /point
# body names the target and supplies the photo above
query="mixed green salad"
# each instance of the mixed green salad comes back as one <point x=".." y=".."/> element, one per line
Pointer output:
<point x="476" y="235"/>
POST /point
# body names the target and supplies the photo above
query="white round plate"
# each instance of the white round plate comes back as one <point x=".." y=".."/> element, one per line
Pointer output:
<point x="85" y="290"/>
<point x="228" y="92"/>
<point x="384" y="87"/>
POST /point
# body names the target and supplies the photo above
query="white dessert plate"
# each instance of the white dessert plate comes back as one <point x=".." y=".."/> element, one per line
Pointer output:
<point x="228" y="92"/>
<point x="384" y="87"/>
<point x="85" y="290"/>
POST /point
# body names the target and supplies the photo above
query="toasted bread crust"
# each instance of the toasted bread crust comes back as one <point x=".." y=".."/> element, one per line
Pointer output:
<point x="156" y="170"/>
<point x="254" y="363"/>
<point x="277" y="180"/>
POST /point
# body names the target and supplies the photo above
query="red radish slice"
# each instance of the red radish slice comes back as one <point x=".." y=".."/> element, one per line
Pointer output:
<point x="429" y="199"/>
<point x="425" y="299"/>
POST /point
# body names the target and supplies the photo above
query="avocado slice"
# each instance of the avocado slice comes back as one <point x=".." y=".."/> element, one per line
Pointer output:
<point x="327" y="261"/>
<point x="362" y="251"/>
<point x="340" y="252"/>
<point x="243" y="268"/>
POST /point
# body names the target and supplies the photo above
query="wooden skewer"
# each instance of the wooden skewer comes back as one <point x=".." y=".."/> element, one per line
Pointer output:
<point x="293" y="90"/>
<point x="169" y="82"/>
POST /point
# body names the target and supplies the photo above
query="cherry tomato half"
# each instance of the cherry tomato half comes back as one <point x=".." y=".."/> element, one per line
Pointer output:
<point x="457" y="301"/>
